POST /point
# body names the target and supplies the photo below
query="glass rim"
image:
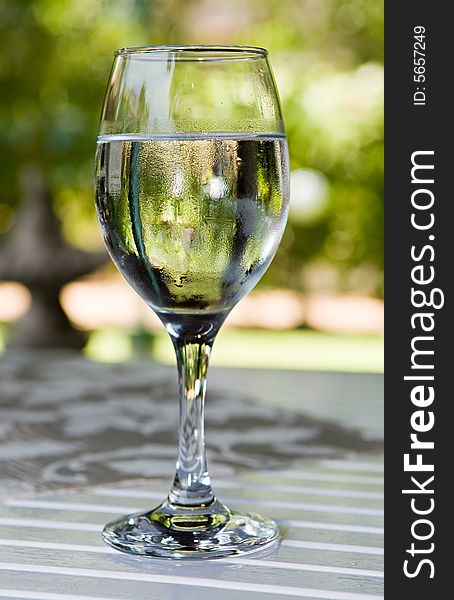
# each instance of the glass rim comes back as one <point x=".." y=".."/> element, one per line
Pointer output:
<point x="194" y="52"/>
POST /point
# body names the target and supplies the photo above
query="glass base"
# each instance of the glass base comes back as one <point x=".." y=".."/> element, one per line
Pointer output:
<point x="181" y="532"/>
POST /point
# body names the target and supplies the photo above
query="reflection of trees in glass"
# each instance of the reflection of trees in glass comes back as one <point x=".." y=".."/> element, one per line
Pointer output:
<point x="327" y="58"/>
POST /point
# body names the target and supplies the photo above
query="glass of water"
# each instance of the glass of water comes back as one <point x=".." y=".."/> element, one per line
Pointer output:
<point x="192" y="199"/>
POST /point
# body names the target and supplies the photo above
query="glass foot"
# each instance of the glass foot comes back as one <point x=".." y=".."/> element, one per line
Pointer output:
<point x="176" y="531"/>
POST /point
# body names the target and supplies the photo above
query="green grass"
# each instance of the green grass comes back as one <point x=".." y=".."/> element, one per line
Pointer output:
<point x="296" y="349"/>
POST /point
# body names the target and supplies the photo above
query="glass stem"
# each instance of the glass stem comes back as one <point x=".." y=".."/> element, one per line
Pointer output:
<point x="191" y="486"/>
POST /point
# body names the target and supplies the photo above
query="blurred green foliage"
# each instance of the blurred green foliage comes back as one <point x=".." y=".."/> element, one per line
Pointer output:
<point x="327" y="56"/>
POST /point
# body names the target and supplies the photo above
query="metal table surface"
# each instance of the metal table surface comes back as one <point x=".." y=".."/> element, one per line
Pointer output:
<point x="82" y="442"/>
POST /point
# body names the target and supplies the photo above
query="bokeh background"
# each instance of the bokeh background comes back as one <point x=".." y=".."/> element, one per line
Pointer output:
<point x="319" y="306"/>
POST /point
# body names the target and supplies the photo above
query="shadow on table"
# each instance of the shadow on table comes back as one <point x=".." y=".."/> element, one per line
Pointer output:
<point x="66" y="421"/>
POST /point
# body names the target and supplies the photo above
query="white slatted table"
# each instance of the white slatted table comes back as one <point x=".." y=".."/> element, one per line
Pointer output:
<point x="330" y="512"/>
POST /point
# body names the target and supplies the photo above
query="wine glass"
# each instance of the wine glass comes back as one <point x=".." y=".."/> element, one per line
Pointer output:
<point x="192" y="200"/>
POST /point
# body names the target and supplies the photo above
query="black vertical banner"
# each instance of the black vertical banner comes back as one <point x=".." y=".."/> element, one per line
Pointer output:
<point x="419" y="237"/>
